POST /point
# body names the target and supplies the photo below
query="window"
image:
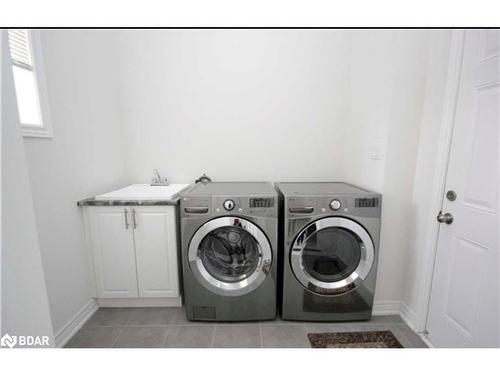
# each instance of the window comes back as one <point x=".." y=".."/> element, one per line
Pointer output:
<point x="29" y="83"/>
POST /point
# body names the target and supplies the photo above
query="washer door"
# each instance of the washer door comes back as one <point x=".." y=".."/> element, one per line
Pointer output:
<point x="230" y="256"/>
<point x="332" y="255"/>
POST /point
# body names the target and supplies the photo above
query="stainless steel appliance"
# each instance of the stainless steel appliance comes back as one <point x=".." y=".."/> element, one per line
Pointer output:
<point x="229" y="243"/>
<point x="329" y="242"/>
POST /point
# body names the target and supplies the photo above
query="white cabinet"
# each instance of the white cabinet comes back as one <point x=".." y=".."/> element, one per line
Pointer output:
<point x="134" y="251"/>
<point x="112" y="242"/>
<point x="156" y="252"/>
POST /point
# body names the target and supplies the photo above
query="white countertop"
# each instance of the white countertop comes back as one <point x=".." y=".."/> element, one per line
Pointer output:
<point x="143" y="192"/>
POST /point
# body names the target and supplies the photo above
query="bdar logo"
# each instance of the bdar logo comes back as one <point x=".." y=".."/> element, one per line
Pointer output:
<point x="8" y="340"/>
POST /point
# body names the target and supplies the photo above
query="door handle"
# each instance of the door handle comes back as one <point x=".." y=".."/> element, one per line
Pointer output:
<point x="446" y="218"/>
<point x="196" y="210"/>
<point x="266" y="267"/>
<point x="125" y="213"/>
<point x="134" y="218"/>
<point x="301" y="210"/>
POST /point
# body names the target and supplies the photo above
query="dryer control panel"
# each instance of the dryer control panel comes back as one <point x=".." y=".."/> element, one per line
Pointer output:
<point x="298" y="206"/>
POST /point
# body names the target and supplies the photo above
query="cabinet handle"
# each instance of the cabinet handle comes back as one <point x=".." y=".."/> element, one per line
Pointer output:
<point x="125" y="212"/>
<point x="134" y="218"/>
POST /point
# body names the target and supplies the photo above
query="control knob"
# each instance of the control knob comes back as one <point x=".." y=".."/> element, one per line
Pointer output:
<point x="335" y="204"/>
<point x="228" y="204"/>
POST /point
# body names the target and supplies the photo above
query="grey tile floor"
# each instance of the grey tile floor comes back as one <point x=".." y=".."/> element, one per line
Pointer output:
<point x="167" y="327"/>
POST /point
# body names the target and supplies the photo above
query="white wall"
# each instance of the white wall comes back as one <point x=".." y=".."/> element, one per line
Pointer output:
<point x="422" y="219"/>
<point x="371" y="57"/>
<point x="236" y="104"/>
<point x="24" y="301"/>
<point x="401" y="152"/>
<point x="85" y="157"/>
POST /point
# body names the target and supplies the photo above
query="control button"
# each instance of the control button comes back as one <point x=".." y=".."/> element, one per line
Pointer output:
<point x="335" y="204"/>
<point x="240" y="209"/>
<point x="229" y="204"/>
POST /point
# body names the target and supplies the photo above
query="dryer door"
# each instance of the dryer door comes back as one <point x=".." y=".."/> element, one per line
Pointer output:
<point x="332" y="255"/>
<point x="230" y="256"/>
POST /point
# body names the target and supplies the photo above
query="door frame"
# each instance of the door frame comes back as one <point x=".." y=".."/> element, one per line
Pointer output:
<point x="439" y="181"/>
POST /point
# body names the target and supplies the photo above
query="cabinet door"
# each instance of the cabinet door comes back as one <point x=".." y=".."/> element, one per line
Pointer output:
<point x="113" y="249"/>
<point x="155" y="236"/>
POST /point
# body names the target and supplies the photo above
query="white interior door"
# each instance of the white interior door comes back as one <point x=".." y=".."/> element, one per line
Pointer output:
<point x="464" y="305"/>
<point x="114" y="255"/>
<point x="156" y="251"/>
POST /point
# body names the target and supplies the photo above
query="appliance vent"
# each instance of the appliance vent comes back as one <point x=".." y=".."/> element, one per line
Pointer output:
<point x="204" y="312"/>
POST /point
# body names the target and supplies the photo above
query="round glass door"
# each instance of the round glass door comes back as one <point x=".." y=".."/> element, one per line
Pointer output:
<point x="332" y="255"/>
<point x="229" y="253"/>
<point x="230" y="256"/>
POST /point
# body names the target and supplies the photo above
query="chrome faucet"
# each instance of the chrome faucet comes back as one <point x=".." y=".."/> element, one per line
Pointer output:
<point x="158" y="180"/>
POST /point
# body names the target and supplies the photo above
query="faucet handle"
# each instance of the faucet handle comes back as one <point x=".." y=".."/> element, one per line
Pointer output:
<point x="156" y="175"/>
<point x="157" y="179"/>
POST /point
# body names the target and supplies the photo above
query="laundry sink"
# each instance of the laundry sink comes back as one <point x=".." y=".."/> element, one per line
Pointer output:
<point x="138" y="192"/>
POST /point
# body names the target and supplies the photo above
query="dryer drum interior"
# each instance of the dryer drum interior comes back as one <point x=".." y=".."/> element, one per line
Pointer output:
<point x="332" y="255"/>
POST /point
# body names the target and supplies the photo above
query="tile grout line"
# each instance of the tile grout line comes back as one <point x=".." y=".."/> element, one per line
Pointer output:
<point x="131" y="317"/>
<point x="213" y="337"/>
<point x="122" y="327"/>
<point x="122" y="330"/>
<point x="164" y="343"/>
<point x="117" y="337"/>
<point x="260" y="334"/>
<point x="169" y="327"/>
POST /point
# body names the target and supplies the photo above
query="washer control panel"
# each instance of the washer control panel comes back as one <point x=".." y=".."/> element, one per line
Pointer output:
<point x="259" y="206"/>
<point x="255" y="206"/>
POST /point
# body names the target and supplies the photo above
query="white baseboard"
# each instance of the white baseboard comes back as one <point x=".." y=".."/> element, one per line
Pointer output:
<point x="408" y="316"/>
<point x="396" y="308"/>
<point x="387" y="308"/>
<point x="73" y="325"/>
<point x="426" y="340"/>
<point x="139" y="302"/>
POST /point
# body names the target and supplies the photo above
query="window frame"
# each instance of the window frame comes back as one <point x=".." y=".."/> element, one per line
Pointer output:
<point x="29" y="130"/>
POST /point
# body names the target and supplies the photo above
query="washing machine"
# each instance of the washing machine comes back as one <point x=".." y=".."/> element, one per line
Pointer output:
<point x="329" y="242"/>
<point x="229" y="239"/>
